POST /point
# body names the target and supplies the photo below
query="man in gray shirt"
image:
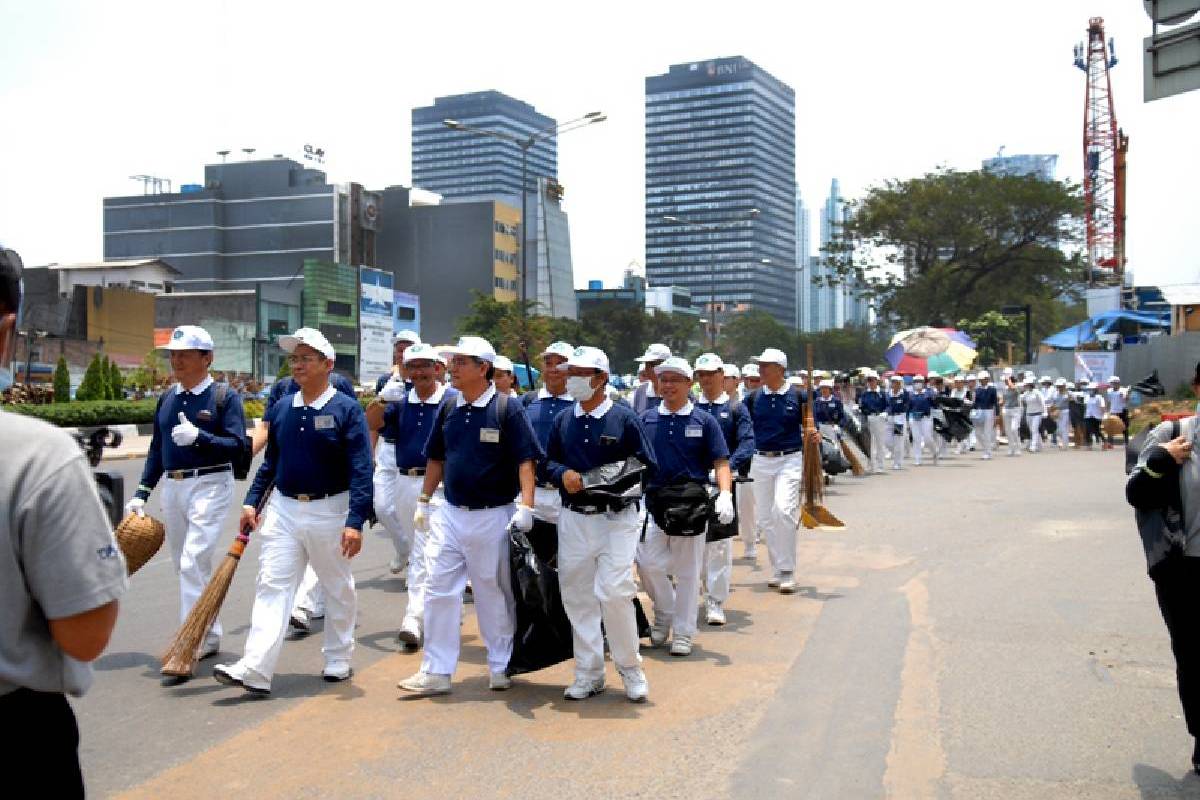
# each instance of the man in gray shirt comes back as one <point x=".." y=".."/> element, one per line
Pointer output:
<point x="60" y="577"/>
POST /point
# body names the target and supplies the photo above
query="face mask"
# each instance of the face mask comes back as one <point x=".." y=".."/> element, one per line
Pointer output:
<point x="580" y="388"/>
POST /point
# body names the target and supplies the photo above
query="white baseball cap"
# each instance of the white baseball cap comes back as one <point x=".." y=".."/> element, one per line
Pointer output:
<point x="1045" y="379"/>
<point x="709" y="362"/>
<point x="503" y="362"/>
<point x="750" y="371"/>
<point x="419" y="351"/>
<point x="1113" y="379"/>
<point x="918" y="378"/>
<point x="309" y="336"/>
<point x="826" y="383"/>
<point x="800" y="373"/>
<point x="870" y="374"/>
<point x="984" y="375"/>
<point x="1070" y="384"/>
<point x="655" y="352"/>
<point x="795" y="380"/>
<point x="772" y="355"/>
<point x="587" y="357"/>
<point x="190" y="337"/>
<point x="407" y="335"/>
<point x="1028" y="381"/>
<point x="675" y="364"/>
<point x="558" y="349"/>
<point x="896" y="379"/>
<point x="1006" y="371"/>
<point x="971" y="376"/>
<point x="730" y="370"/>
<point x="473" y="346"/>
<point x="1061" y="382"/>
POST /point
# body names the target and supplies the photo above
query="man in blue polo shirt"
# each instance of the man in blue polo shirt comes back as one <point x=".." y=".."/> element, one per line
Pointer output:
<point x="898" y="403"/>
<point x="985" y="417"/>
<point x="597" y="541"/>
<point x="485" y="453"/>
<point x="873" y="405"/>
<point x="920" y="415"/>
<point x="199" y="431"/>
<point x="646" y="394"/>
<point x="386" y="475"/>
<point x="405" y="417"/>
<point x="828" y="411"/>
<point x="688" y="444"/>
<point x="543" y="407"/>
<point x="319" y="460"/>
<point x="731" y="415"/>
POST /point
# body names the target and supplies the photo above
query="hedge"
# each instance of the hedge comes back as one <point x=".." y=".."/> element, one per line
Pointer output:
<point x="88" y="413"/>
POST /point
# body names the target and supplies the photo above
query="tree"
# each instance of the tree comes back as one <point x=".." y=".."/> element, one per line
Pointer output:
<point x="284" y="371"/>
<point x="953" y="245"/>
<point x="62" y="381"/>
<point x="93" y="386"/>
<point x="115" y="381"/>
<point x="748" y="334"/>
<point x="992" y="332"/>
<point x="148" y="374"/>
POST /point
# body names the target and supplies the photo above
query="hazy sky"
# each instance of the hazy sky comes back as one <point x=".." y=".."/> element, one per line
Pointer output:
<point x="93" y="92"/>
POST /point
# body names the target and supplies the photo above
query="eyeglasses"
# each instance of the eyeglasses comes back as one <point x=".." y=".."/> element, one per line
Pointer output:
<point x="304" y="359"/>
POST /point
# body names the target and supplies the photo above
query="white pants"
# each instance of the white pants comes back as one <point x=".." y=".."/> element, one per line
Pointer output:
<point x="1034" y="421"/>
<point x="468" y="544"/>
<point x="681" y="556"/>
<point x="421" y="546"/>
<point x="922" y="430"/>
<point x="193" y="510"/>
<point x="547" y="504"/>
<point x="385" y="482"/>
<point x="1012" y="429"/>
<point x="748" y="526"/>
<point x="595" y="575"/>
<point x="718" y="569"/>
<point x="897" y="434"/>
<point x="877" y="426"/>
<point x="1064" y="428"/>
<point x="310" y="596"/>
<point x="985" y="430"/>
<point x="293" y="533"/>
<point x="777" y="500"/>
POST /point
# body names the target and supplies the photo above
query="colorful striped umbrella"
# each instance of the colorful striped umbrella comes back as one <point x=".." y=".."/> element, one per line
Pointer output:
<point x="923" y="350"/>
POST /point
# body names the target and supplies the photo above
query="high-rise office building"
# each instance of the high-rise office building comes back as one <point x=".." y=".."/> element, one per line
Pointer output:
<point x="551" y="280"/>
<point x="721" y="141"/>
<point x="831" y="299"/>
<point x="1043" y="166"/>
<point x="804" y="286"/>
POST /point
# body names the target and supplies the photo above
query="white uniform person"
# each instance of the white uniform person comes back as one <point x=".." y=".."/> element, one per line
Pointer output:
<point x="199" y="431"/>
<point x="318" y="458"/>
<point x="504" y="376"/>
<point x="749" y="526"/>
<point x="597" y="538"/>
<point x="1035" y="411"/>
<point x="646" y="394"/>
<point x="484" y="451"/>
<point x="898" y="403"/>
<point x="387" y="476"/>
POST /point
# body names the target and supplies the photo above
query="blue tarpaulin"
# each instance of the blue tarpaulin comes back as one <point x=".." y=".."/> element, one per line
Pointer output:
<point x="1107" y="322"/>
<point x="521" y="375"/>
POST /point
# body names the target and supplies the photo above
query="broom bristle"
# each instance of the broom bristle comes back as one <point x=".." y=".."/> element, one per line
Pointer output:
<point x="180" y="658"/>
<point x="856" y="466"/>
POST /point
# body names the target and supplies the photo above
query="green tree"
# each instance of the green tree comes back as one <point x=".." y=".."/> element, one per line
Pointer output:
<point x="993" y="332"/>
<point x="93" y="385"/>
<point x="62" y="381"/>
<point x="284" y="371"/>
<point x="115" y="381"/>
<point x="748" y="334"/>
<point x="151" y="370"/>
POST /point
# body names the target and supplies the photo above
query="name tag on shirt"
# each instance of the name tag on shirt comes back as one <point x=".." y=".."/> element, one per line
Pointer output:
<point x="724" y="415"/>
<point x="605" y="439"/>
<point x="693" y="431"/>
<point x="489" y="435"/>
<point x="324" y="423"/>
<point x="204" y="416"/>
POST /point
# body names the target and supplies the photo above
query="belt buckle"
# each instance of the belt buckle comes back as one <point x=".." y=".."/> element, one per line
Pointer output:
<point x="304" y="498"/>
<point x="176" y="474"/>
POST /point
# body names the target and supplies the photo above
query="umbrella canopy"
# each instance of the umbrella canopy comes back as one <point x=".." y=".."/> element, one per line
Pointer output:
<point x="921" y="350"/>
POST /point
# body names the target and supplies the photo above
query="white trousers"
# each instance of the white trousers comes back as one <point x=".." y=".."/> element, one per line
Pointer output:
<point x="1064" y="428"/>
<point x="310" y="596"/>
<point x="985" y="430"/>
<point x="385" y="481"/>
<point x="777" y="500"/>
<point x="547" y="504"/>
<point x="877" y="426"/>
<point x="718" y="569"/>
<point x="193" y="510"/>
<point x="661" y="556"/>
<point x="1034" y="421"/>
<point x="422" y="547"/>
<point x="1012" y="429"/>
<point x="293" y="533"/>
<point x="595" y="575"/>
<point x="922" y="430"/>
<point x="748" y="525"/>
<point x="897" y="435"/>
<point x="468" y="544"/>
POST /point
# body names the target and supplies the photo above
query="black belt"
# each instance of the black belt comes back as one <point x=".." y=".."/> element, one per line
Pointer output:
<point x="549" y="486"/>
<point x="777" y="453"/>
<point x="308" y="498"/>
<point x="180" y="474"/>
<point x="388" y="439"/>
<point x="413" y="472"/>
<point x="481" y="508"/>
<point x="602" y="508"/>
<point x="921" y="415"/>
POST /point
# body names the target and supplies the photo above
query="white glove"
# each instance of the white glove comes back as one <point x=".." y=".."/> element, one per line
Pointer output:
<point x="522" y="519"/>
<point x="184" y="434"/>
<point x="421" y="517"/>
<point x="724" y="508"/>
<point x="393" y="391"/>
<point x="136" y="506"/>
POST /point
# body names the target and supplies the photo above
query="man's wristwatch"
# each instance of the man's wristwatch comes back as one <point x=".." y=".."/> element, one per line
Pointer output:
<point x="423" y="498"/>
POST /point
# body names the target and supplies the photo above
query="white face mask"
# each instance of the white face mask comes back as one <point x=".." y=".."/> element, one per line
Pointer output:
<point x="580" y="388"/>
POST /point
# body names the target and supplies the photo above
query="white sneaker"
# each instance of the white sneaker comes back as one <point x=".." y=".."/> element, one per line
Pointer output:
<point x="660" y="632"/>
<point x="714" y="614"/>
<point x="396" y="565"/>
<point x="787" y="583"/>
<point x="681" y="645"/>
<point x="499" y="681"/>
<point x="238" y="674"/>
<point x="583" y="688"/>
<point x="410" y="633"/>
<point x="637" y="689"/>
<point x="774" y="582"/>
<point x="300" y="620"/>
<point x="426" y="684"/>
<point x="336" y="671"/>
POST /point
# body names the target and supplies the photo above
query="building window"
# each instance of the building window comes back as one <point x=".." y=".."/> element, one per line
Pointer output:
<point x="337" y="309"/>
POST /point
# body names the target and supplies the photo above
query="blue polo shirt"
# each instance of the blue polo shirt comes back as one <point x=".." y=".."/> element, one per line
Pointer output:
<point x="687" y="444"/>
<point x="920" y="403"/>
<point x="318" y="449"/>
<point x="288" y="385"/>
<point x="482" y="453"/>
<point x="738" y="429"/>
<point x="778" y="418"/>
<point x="219" y="441"/>
<point x="871" y="401"/>
<point x="898" y="403"/>
<point x="408" y="423"/>
<point x="828" y="410"/>
<point x="609" y="433"/>
<point x="985" y="398"/>
<point x="543" y="410"/>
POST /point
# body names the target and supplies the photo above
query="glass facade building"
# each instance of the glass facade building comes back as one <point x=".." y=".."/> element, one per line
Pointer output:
<point x="1042" y="166"/>
<point x="720" y="141"/>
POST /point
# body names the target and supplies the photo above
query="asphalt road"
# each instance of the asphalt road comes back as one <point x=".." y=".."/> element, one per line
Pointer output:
<point x="978" y="630"/>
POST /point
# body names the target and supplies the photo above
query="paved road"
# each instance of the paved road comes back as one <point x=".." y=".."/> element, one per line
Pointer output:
<point x="979" y="630"/>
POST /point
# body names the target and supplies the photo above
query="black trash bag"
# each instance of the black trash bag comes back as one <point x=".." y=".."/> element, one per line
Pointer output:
<point x="833" y="460"/>
<point x="1024" y="429"/>
<point x="854" y="427"/>
<point x="1048" y="426"/>
<point x="958" y="424"/>
<point x="1150" y="386"/>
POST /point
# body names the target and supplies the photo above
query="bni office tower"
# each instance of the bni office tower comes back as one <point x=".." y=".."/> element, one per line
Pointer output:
<point x="721" y="165"/>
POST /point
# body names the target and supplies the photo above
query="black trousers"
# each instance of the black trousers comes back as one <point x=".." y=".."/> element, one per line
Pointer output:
<point x="1177" y="584"/>
<point x="41" y="742"/>
<point x="1093" y="430"/>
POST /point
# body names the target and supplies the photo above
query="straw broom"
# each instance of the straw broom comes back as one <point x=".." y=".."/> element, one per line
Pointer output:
<point x="180" y="658"/>
<point x="812" y="512"/>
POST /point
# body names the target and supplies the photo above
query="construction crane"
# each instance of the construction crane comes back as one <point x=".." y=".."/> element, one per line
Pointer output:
<point x="1104" y="150"/>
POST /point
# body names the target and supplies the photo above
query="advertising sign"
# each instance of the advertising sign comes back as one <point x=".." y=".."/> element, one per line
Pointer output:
<point x="1094" y="366"/>
<point x="376" y="302"/>
<point x="407" y="312"/>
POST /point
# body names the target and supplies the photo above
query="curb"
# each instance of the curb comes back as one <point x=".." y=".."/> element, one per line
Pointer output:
<point x="132" y="454"/>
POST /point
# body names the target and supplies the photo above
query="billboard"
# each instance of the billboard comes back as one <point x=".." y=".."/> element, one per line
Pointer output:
<point x="375" y="321"/>
<point x="406" y="312"/>
<point x="1095" y="366"/>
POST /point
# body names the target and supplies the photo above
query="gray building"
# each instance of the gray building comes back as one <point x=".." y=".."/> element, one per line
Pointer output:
<point x="551" y="279"/>
<point x="805" y="291"/>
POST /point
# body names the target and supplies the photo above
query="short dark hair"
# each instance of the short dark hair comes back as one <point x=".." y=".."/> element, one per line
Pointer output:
<point x="10" y="282"/>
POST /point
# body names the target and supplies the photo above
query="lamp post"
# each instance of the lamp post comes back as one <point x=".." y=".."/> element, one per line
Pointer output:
<point x="712" y="269"/>
<point x="1027" y="310"/>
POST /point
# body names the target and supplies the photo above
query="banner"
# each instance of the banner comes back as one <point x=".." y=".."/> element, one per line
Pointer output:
<point x="374" y="324"/>
<point x="1094" y="366"/>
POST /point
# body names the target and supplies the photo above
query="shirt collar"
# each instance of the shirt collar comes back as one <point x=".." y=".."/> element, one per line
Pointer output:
<point x="198" y="388"/>
<point x="723" y="397"/>
<point x="544" y="394"/>
<point x="597" y="412"/>
<point x="782" y="389"/>
<point x="480" y="401"/>
<point x="439" y="389"/>
<point x="650" y="389"/>
<point x="683" y="412"/>
<point x="318" y="404"/>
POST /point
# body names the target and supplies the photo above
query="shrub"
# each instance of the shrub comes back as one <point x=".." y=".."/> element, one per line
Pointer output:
<point x="115" y="381"/>
<point x="91" y="388"/>
<point x="62" y="381"/>
<point x="253" y="409"/>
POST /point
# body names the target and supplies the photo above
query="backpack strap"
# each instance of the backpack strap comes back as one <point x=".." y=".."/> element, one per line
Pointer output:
<point x="528" y="398"/>
<point x="220" y="393"/>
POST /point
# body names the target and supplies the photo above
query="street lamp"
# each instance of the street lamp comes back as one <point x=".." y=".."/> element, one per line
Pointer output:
<point x="750" y="214"/>
<point x="1027" y="310"/>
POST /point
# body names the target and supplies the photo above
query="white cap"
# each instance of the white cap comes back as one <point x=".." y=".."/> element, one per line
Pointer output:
<point x="655" y="352"/>
<point x="1028" y="381"/>
<point x="1006" y="371"/>
<point x="407" y="335"/>
<point x="190" y="337"/>
<point x="750" y="371"/>
<point x="796" y="380"/>
<point x="309" y="336"/>
<point x="419" y="351"/>
<point x="1070" y="384"/>
<point x="503" y="362"/>
<point x="868" y="374"/>
<point x="897" y="378"/>
<point x="731" y="370"/>
<point x="984" y="375"/>
<point x="587" y="357"/>
<point x="558" y="349"/>
<point x="1045" y="379"/>
<point x="772" y="355"/>
<point x="931" y="373"/>
<point x="675" y="364"/>
<point x="1061" y="382"/>
<point x="1113" y="379"/>
<point x="709" y="362"/>
<point x="473" y="346"/>
<point x="826" y="383"/>
<point x="971" y="376"/>
<point x="918" y="378"/>
<point x="803" y="372"/>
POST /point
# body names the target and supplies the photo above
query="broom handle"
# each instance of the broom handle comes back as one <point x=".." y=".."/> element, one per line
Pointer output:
<point x="243" y="536"/>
